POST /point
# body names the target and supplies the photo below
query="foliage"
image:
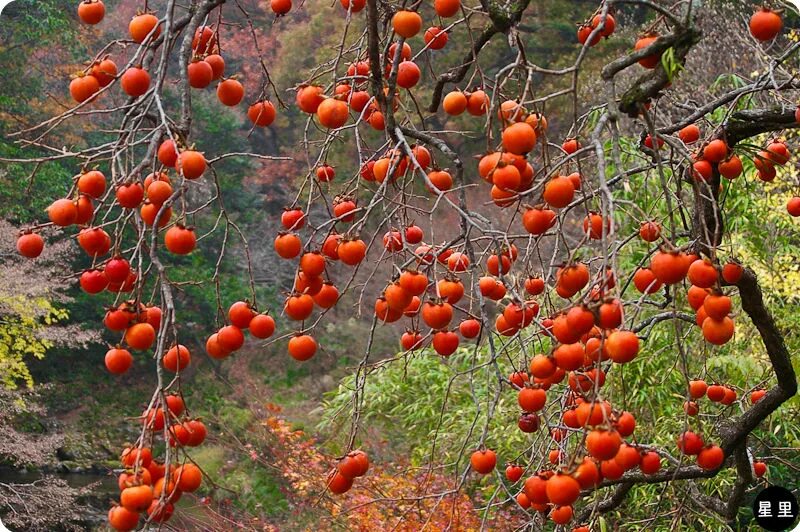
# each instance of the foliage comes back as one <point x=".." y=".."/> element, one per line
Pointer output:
<point x="20" y="335"/>
<point x="49" y="504"/>
<point x="31" y="312"/>
<point x="401" y="505"/>
<point x="426" y="405"/>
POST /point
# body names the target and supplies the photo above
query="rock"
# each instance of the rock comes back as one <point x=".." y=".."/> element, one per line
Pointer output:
<point x="63" y="454"/>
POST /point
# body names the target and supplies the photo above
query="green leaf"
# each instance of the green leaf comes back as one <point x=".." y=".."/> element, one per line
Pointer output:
<point x="671" y="66"/>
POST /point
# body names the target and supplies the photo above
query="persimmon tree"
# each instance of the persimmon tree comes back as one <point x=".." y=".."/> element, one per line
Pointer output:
<point x="520" y="254"/>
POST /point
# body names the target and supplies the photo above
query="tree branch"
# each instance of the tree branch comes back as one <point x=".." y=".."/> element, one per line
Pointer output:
<point x="751" y="122"/>
<point x="501" y="23"/>
<point x="648" y="85"/>
<point x="736" y="429"/>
